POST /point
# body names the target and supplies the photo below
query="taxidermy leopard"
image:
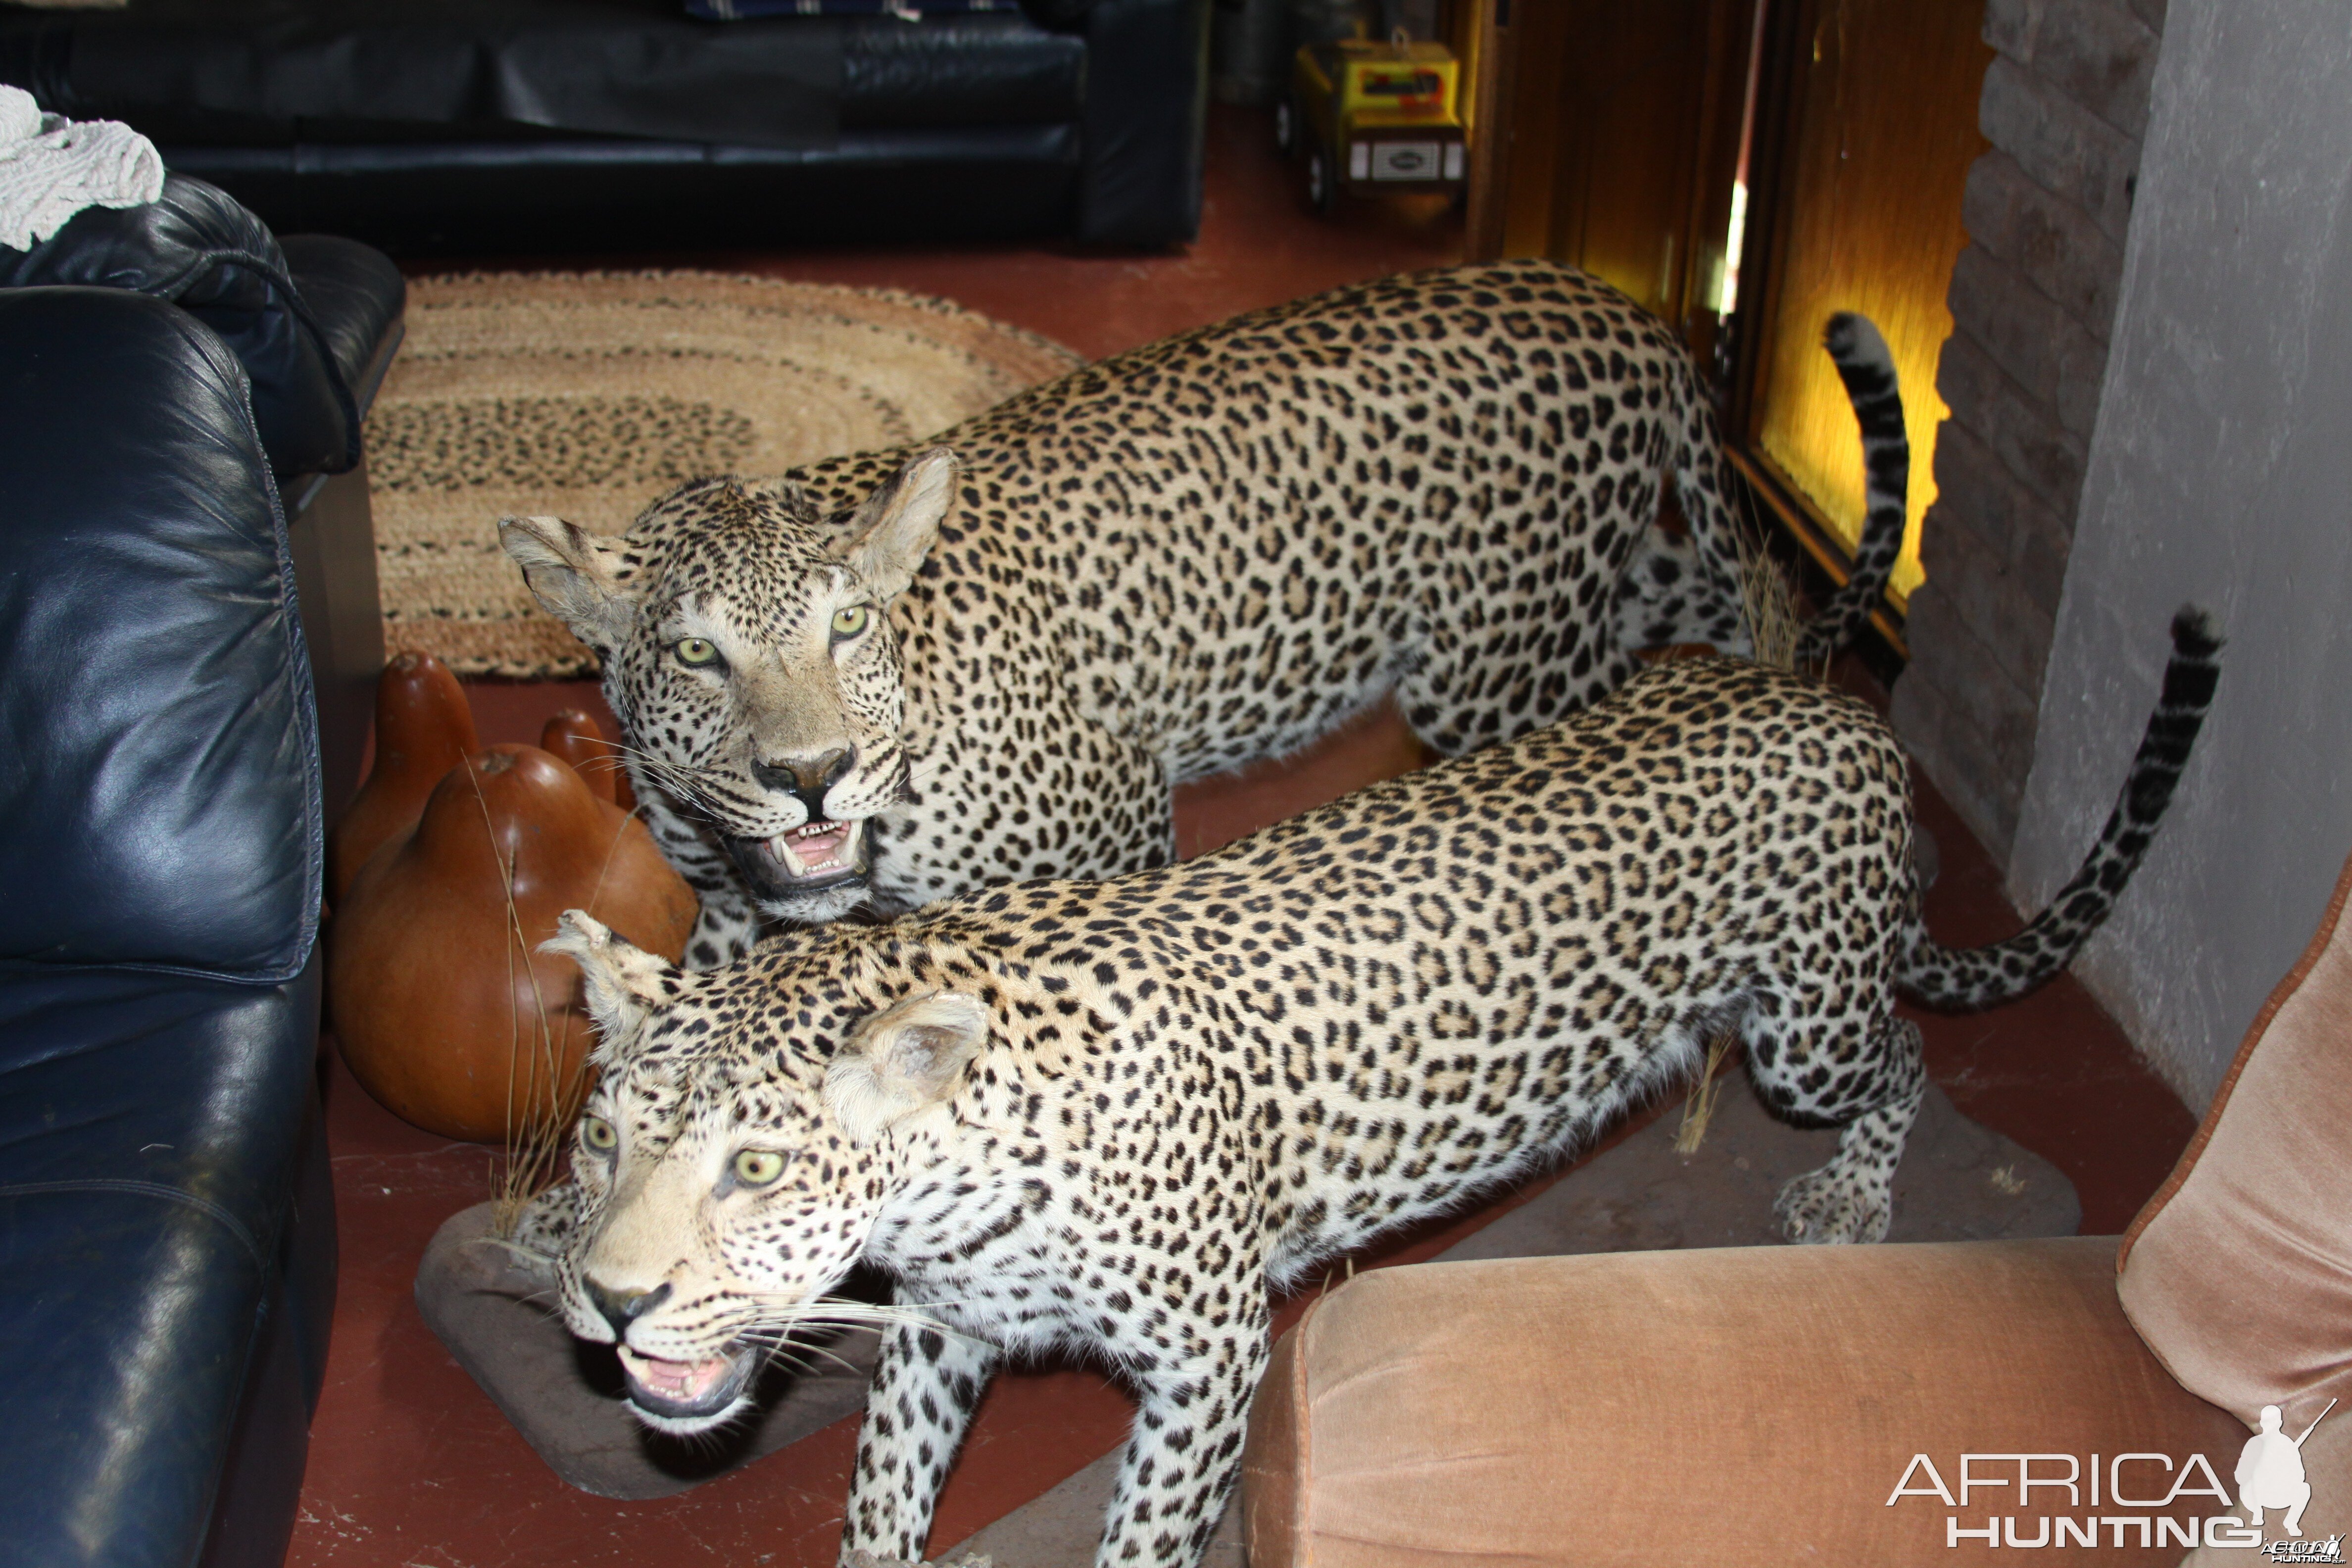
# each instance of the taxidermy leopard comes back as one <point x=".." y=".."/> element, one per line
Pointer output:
<point x="1115" y="1115"/>
<point x="891" y="678"/>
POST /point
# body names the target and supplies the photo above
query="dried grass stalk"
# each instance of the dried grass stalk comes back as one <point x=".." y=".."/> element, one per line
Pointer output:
<point x="1769" y="600"/>
<point x="1698" y="1106"/>
<point x="540" y="1092"/>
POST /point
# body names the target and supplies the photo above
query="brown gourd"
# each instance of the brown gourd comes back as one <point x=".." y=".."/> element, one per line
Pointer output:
<point x="424" y="727"/>
<point x="579" y="740"/>
<point x="444" y="1009"/>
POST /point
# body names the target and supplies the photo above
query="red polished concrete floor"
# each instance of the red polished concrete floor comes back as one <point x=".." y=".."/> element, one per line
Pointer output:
<point x="410" y="1467"/>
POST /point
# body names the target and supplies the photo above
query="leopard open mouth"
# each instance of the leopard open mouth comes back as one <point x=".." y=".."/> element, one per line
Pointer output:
<point x="816" y="858"/>
<point x="686" y="1396"/>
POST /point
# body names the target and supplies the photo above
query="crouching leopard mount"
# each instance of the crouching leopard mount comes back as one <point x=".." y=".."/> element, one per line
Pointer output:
<point x="1115" y="1115"/>
<point x="886" y="679"/>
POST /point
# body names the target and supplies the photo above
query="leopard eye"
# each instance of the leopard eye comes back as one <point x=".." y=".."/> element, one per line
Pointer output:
<point x="757" y="1167"/>
<point x="696" y="653"/>
<point x="598" y="1134"/>
<point x="848" y="621"/>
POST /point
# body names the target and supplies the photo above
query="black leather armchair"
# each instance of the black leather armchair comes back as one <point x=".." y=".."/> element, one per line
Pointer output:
<point x="165" y="1220"/>
<point x="540" y="125"/>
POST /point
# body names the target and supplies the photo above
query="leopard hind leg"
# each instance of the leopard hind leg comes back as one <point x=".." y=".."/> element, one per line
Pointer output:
<point x="1460" y="693"/>
<point x="1873" y="1099"/>
<point x="1671" y="596"/>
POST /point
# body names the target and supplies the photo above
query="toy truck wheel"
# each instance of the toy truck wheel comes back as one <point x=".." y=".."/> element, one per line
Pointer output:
<point x="1286" y="126"/>
<point x="1322" y="188"/>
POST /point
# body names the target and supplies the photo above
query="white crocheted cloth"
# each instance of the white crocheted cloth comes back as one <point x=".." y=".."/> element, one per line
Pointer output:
<point x="51" y="168"/>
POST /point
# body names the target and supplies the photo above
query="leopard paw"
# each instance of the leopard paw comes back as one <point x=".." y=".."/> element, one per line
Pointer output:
<point x="1835" y="1204"/>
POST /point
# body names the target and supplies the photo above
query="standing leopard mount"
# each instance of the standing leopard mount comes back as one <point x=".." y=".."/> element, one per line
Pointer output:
<point x="1115" y="1115"/>
<point x="895" y="677"/>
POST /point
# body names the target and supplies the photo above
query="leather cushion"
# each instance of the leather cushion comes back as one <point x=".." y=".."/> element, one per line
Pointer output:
<point x="946" y="70"/>
<point x="161" y="776"/>
<point x="959" y="71"/>
<point x="148" y="1126"/>
<point x="605" y="66"/>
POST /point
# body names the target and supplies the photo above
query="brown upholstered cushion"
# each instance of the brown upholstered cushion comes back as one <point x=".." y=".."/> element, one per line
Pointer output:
<point x="1755" y="1405"/>
<point x="2239" y="1272"/>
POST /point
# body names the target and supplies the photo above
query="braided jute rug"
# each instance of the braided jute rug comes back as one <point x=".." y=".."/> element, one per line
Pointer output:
<point x="587" y="394"/>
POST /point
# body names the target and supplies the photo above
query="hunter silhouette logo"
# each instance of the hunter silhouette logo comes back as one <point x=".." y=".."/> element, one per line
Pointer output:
<point x="2270" y="1475"/>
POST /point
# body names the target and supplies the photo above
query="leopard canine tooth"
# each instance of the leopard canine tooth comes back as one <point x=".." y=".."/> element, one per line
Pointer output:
<point x="781" y="846"/>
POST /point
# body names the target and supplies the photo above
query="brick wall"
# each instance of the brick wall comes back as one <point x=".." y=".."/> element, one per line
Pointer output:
<point x="2032" y="297"/>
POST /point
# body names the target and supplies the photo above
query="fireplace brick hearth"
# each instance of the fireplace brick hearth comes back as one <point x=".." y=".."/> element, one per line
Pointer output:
<point x="2032" y="298"/>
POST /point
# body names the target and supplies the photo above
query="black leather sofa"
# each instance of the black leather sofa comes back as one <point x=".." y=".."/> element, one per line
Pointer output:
<point x="167" y="1217"/>
<point x="545" y="125"/>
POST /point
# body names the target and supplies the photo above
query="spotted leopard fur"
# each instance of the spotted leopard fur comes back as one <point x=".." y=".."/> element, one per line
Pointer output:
<point x="1213" y="548"/>
<point x="1115" y="1115"/>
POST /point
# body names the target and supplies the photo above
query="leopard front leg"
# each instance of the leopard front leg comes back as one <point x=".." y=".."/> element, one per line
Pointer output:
<point x="926" y="1384"/>
<point x="1183" y="1455"/>
<point x="728" y="923"/>
<point x="1852" y="1198"/>
<point x="1071" y="800"/>
<point x="724" y="930"/>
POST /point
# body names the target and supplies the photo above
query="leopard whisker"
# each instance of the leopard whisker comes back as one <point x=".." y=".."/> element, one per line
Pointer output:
<point x="780" y="1351"/>
<point x="678" y="776"/>
<point x="793" y="1314"/>
<point x="515" y="1249"/>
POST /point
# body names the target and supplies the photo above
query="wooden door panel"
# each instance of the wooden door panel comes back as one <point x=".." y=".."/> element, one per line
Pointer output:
<point x="1632" y="111"/>
<point x="1883" y="129"/>
<point x="1621" y="123"/>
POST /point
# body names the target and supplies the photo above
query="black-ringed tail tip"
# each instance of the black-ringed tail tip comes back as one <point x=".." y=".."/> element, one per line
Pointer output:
<point x="1867" y="366"/>
<point x="1942" y="976"/>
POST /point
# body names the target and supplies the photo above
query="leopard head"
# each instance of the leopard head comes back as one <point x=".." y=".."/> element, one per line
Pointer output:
<point x="750" y="658"/>
<point x="735" y="1155"/>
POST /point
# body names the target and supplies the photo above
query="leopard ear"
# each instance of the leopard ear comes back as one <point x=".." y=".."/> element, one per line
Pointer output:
<point x="888" y="536"/>
<point x="574" y="576"/>
<point x="624" y="982"/>
<point x="906" y="1059"/>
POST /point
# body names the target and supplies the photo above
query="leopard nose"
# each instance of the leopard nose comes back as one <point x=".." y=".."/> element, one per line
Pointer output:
<point x="622" y="1308"/>
<point x="807" y="778"/>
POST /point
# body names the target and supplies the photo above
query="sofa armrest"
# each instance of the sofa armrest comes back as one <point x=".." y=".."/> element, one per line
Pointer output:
<point x="1145" y="118"/>
<point x="196" y="248"/>
<point x="1760" y="1404"/>
<point x="357" y="296"/>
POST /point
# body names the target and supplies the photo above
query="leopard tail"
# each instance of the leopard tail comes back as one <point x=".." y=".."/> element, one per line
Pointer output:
<point x="1688" y="590"/>
<point x="1863" y="363"/>
<point x="1979" y="976"/>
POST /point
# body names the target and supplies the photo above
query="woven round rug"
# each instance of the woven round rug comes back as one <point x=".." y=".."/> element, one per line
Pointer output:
<point x="585" y="395"/>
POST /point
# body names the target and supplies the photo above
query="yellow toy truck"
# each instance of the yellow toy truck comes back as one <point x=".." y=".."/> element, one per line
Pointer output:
<point x="1374" y="119"/>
